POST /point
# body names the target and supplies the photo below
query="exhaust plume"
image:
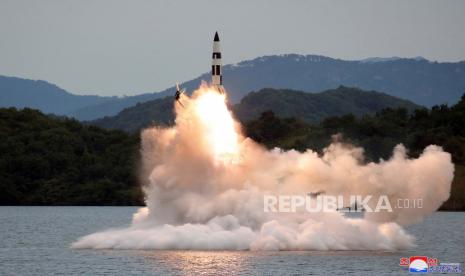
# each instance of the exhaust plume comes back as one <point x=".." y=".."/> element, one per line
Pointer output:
<point x="205" y="185"/>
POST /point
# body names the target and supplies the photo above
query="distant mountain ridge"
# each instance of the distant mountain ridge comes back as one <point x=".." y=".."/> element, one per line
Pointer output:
<point x="42" y="95"/>
<point x="112" y="107"/>
<point x="311" y="107"/>
<point x="416" y="79"/>
<point x="385" y="59"/>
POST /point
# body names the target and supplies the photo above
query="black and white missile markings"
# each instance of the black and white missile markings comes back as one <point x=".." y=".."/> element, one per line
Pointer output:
<point x="217" y="77"/>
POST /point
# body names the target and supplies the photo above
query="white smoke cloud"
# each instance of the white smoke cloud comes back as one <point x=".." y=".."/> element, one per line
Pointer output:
<point x="204" y="187"/>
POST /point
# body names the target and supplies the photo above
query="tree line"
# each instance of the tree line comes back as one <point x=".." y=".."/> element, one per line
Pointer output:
<point x="59" y="161"/>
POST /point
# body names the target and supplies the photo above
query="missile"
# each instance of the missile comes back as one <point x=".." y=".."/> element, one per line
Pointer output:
<point x="217" y="77"/>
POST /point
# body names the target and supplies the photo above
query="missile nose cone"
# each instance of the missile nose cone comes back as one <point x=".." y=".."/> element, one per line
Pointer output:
<point x="217" y="38"/>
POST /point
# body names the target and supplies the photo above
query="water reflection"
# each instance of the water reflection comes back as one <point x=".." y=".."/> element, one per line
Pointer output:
<point x="196" y="262"/>
<point x="174" y="262"/>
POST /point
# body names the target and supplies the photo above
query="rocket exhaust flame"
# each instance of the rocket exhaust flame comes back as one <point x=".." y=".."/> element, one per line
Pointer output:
<point x="219" y="126"/>
<point x="205" y="184"/>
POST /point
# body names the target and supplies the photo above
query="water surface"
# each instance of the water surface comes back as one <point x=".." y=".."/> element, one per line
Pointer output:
<point x="36" y="240"/>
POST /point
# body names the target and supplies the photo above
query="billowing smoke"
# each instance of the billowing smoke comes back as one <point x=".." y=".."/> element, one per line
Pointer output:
<point x="205" y="188"/>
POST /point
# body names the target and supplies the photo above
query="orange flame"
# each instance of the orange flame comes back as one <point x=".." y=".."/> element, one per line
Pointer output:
<point x="219" y="126"/>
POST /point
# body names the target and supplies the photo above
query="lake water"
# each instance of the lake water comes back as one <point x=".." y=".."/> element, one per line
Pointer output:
<point x="35" y="241"/>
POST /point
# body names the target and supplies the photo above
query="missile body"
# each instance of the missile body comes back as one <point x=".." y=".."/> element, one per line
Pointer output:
<point x="217" y="77"/>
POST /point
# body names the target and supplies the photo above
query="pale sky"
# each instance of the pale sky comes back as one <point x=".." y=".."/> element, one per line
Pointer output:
<point x="111" y="47"/>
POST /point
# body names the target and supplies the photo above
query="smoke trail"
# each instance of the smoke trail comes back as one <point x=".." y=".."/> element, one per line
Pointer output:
<point x="205" y="184"/>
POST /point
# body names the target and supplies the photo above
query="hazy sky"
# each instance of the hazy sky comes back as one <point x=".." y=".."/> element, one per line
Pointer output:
<point x="113" y="47"/>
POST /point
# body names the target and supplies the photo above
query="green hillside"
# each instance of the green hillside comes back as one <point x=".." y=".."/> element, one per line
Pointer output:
<point x="313" y="107"/>
<point x="132" y="119"/>
<point x="53" y="161"/>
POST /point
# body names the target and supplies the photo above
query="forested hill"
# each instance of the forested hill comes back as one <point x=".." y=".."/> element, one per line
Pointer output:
<point x="54" y="161"/>
<point x="311" y="107"/>
<point x="142" y="115"/>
